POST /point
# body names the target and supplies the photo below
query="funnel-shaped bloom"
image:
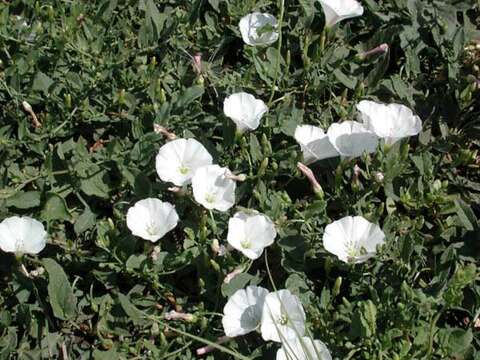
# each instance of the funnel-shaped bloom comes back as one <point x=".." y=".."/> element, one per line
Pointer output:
<point x="352" y="139"/>
<point x="151" y="219"/>
<point x="258" y="29"/>
<point x="338" y="10"/>
<point x="22" y="235"/>
<point x="391" y="122"/>
<point x="213" y="188"/>
<point x="303" y="349"/>
<point x="243" y="311"/>
<point x="250" y="233"/>
<point x="314" y="143"/>
<point x="178" y="160"/>
<point x="244" y="110"/>
<point x="353" y="239"/>
<point x="283" y="316"/>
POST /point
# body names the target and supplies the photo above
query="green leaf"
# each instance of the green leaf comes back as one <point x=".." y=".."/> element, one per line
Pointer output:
<point x="24" y="200"/>
<point x="55" y="208"/>
<point x="465" y="215"/>
<point x="85" y="221"/>
<point x="60" y="292"/>
<point x="96" y="185"/>
<point x="459" y="340"/>
<point x="349" y="82"/>
<point x="189" y="95"/>
<point x="133" y="313"/>
<point x="238" y="282"/>
<point x="42" y="82"/>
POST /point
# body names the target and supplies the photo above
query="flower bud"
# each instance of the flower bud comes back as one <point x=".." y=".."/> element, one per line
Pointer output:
<point x="317" y="188"/>
<point x="337" y="286"/>
<point x="158" y="129"/>
<point x="175" y="315"/>
<point x="381" y="49"/>
<point x="379" y="177"/>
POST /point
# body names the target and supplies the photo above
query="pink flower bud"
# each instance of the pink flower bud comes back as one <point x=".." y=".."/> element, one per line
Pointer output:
<point x="305" y="170"/>
<point x="163" y="131"/>
<point x="381" y="49"/>
<point x="206" y="349"/>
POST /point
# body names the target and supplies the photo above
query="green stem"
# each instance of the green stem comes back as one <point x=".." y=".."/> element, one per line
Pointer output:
<point x="53" y="173"/>
<point x="207" y="342"/>
<point x="269" y="272"/>
<point x="432" y="332"/>
<point x="279" y="49"/>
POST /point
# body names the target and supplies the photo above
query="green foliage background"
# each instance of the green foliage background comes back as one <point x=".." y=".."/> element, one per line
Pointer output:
<point x="99" y="74"/>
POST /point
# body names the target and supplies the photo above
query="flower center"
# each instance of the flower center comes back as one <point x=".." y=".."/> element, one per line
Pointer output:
<point x="210" y="198"/>
<point x="352" y="252"/>
<point x="246" y="243"/>
<point x="184" y="170"/>
<point x="152" y="229"/>
<point x="283" y="319"/>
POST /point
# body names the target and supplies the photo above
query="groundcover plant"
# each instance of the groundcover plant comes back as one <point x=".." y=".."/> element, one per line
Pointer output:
<point x="227" y="179"/>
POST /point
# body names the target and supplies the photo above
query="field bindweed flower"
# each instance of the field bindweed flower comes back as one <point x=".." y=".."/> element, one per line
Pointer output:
<point x="352" y="139"/>
<point x="283" y="317"/>
<point x="258" y="29"/>
<point x="178" y="160"/>
<point x="390" y="122"/>
<point x="213" y="189"/>
<point x="22" y="235"/>
<point x="245" y="110"/>
<point x="250" y="233"/>
<point x="151" y="219"/>
<point x="303" y="349"/>
<point x="314" y="143"/>
<point x="338" y="10"/>
<point x="353" y="239"/>
<point x="243" y="311"/>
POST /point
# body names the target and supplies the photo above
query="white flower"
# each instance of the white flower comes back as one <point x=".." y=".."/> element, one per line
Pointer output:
<point x="22" y="235"/>
<point x="283" y="317"/>
<point x="391" y="122"/>
<point x="353" y="239"/>
<point x="243" y="311"/>
<point x="314" y="143"/>
<point x="213" y="189"/>
<point x="352" y="139"/>
<point x="178" y="160"/>
<point x="303" y="349"/>
<point x="255" y="29"/>
<point x="151" y="219"/>
<point x="250" y="233"/>
<point x="244" y="110"/>
<point x="338" y="10"/>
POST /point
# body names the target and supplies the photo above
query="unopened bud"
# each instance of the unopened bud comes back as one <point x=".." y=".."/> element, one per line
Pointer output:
<point x="381" y="49"/>
<point x="317" y="188"/>
<point x="37" y="272"/>
<point x="337" y="286"/>
<point x="163" y="131"/>
<point x="28" y="108"/>
<point x="231" y="176"/>
<point x="175" y="315"/>
<point x="218" y="249"/>
<point x="379" y="177"/>
<point x="197" y="63"/>
<point x="155" y="252"/>
<point x="206" y="349"/>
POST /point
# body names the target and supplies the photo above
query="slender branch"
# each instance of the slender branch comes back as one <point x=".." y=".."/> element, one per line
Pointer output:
<point x="279" y="50"/>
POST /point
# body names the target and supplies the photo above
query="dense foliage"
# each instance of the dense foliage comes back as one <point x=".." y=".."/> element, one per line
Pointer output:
<point x="99" y="74"/>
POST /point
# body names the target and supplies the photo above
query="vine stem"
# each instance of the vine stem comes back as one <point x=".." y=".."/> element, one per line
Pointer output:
<point x="279" y="49"/>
